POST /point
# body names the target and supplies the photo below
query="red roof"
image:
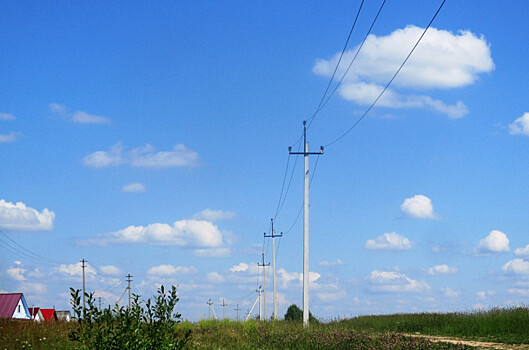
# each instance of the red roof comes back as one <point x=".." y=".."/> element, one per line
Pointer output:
<point x="34" y="311"/>
<point x="49" y="314"/>
<point x="8" y="304"/>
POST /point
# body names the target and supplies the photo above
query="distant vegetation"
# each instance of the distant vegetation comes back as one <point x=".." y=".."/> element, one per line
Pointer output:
<point x="156" y="326"/>
<point x="503" y="325"/>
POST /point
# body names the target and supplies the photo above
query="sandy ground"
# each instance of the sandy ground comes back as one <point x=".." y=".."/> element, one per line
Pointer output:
<point x="478" y="344"/>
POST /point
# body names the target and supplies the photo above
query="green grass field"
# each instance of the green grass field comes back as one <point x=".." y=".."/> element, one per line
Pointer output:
<point x="509" y="325"/>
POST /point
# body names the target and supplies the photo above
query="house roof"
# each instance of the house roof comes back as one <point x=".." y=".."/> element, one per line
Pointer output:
<point x="48" y="314"/>
<point x="34" y="311"/>
<point x="8" y="304"/>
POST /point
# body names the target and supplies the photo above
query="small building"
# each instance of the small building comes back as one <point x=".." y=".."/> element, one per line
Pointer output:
<point x="36" y="314"/>
<point x="49" y="314"/>
<point x="65" y="316"/>
<point x="13" y="305"/>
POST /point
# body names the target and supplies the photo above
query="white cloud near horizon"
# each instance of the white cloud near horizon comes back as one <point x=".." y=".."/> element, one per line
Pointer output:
<point x="442" y="270"/>
<point x="143" y="157"/>
<point x="214" y="215"/>
<point x="134" y="187"/>
<point x="392" y="281"/>
<point x="442" y="60"/>
<point x="389" y="241"/>
<point x="418" y="206"/>
<point x="79" y="117"/>
<point x="520" y="126"/>
<point x="75" y="270"/>
<point x="19" y="217"/>
<point x="495" y="242"/>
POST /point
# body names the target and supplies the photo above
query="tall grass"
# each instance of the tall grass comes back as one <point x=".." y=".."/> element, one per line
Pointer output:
<point x="504" y="325"/>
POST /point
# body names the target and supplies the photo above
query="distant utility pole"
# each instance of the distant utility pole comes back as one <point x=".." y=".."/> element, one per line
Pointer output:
<point x="273" y="236"/>
<point x="209" y="303"/>
<point x="129" y="279"/>
<point x="259" y="291"/>
<point x="223" y="308"/>
<point x="237" y="310"/>
<point x="99" y="303"/>
<point x="264" y="284"/>
<point x="306" y="154"/>
<point x="83" y="265"/>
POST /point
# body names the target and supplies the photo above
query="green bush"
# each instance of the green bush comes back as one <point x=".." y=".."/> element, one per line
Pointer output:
<point x="149" y="327"/>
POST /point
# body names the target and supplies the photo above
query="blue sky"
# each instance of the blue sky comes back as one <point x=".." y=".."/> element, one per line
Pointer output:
<point x="153" y="140"/>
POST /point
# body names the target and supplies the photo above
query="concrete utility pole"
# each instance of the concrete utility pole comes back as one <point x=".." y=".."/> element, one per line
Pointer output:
<point x="237" y="310"/>
<point x="99" y="303"/>
<point x="129" y="279"/>
<point x="223" y="309"/>
<point x="273" y="235"/>
<point x="259" y="296"/>
<point x="83" y="265"/>
<point x="306" y="154"/>
<point x="209" y="303"/>
<point x="264" y="284"/>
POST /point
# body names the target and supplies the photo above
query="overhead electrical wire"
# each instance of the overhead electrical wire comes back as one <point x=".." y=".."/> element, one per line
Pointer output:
<point x="352" y="61"/>
<point x="391" y="80"/>
<point x="321" y="104"/>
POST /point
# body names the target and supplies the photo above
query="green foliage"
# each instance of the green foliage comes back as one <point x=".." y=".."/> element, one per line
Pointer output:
<point x="294" y="313"/>
<point x="149" y="327"/>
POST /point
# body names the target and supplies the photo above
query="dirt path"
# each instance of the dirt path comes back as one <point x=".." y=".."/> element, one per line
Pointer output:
<point x="478" y="344"/>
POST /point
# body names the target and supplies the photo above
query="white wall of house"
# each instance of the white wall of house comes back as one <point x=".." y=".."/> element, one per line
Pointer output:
<point x="21" y="311"/>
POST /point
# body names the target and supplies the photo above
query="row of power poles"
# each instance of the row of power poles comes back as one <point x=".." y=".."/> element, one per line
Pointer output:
<point x="129" y="280"/>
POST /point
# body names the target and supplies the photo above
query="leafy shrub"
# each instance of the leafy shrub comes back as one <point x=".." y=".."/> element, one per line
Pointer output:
<point x="294" y="313"/>
<point x="149" y="327"/>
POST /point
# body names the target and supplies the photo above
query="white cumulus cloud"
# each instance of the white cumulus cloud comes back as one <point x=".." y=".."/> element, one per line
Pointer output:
<point x="19" y="217"/>
<point x="143" y="157"/>
<point x="517" y="266"/>
<point x="202" y="236"/>
<point x="418" y="206"/>
<point x="522" y="251"/>
<point x="133" y="188"/>
<point x="111" y="270"/>
<point x="214" y="215"/>
<point x="79" y="117"/>
<point x="11" y="137"/>
<point x="169" y="270"/>
<point x="392" y="281"/>
<point x="215" y="277"/>
<point x="7" y="116"/>
<point x="337" y="262"/>
<point x="442" y="270"/>
<point x="16" y="273"/>
<point x="520" y="126"/>
<point x="240" y="267"/>
<point x="451" y="293"/>
<point x="442" y="60"/>
<point x="495" y="242"/>
<point x="389" y="241"/>
<point x="75" y="270"/>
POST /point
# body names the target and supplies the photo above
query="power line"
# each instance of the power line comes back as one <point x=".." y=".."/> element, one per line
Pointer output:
<point x="354" y="58"/>
<point x="321" y="104"/>
<point x="391" y="80"/>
